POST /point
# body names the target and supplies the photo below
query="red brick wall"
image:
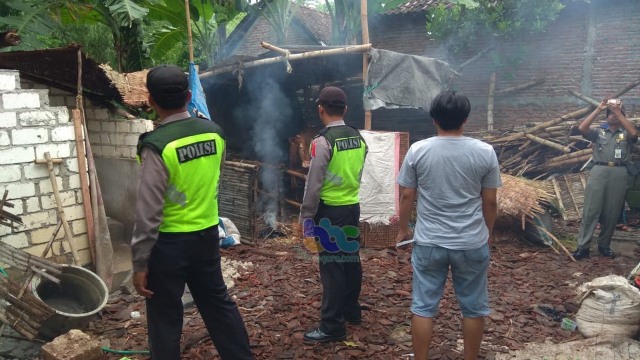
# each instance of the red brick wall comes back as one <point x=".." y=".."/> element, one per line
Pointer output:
<point x="262" y="31"/>
<point x="560" y="55"/>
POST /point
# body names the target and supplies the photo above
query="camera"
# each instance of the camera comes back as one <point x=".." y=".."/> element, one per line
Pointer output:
<point x="614" y="102"/>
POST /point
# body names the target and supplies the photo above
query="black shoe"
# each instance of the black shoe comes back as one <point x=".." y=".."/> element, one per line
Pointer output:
<point x="606" y="252"/>
<point x="354" y="321"/>
<point x="319" y="336"/>
<point x="580" y="254"/>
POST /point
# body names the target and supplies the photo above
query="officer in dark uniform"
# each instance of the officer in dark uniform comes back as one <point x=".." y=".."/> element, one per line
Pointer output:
<point x="331" y="199"/>
<point x="175" y="238"/>
<point x="608" y="181"/>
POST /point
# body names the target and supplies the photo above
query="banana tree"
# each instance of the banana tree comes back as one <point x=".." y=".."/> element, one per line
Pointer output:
<point x="208" y="20"/>
<point x="279" y="15"/>
<point x="36" y="21"/>
<point x="345" y="17"/>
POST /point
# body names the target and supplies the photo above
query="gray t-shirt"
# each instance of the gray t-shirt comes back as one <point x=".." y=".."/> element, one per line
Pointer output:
<point x="449" y="172"/>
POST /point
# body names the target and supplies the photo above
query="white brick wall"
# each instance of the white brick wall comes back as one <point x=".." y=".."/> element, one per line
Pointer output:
<point x="38" y="220"/>
<point x="45" y="186"/>
<point x="28" y="128"/>
<point x="29" y="136"/>
<point x="55" y="150"/>
<point x="65" y="133"/>
<point x="7" y="82"/>
<point x="20" y="190"/>
<point x="23" y="100"/>
<point x="67" y="198"/>
<point x="4" y="138"/>
<point x="38" y="118"/>
<point x="10" y="173"/>
<point x="8" y="119"/>
<point x="16" y="155"/>
<point x="117" y="138"/>
<point x="38" y="171"/>
<point x="33" y="204"/>
<point x="19" y="240"/>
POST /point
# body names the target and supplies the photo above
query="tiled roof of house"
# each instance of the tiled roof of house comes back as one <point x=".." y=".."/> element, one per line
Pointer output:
<point x="317" y="22"/>
<point x="412" y="6"/>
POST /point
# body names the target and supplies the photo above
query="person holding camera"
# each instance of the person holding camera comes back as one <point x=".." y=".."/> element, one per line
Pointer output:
<point x="607" y="186"/>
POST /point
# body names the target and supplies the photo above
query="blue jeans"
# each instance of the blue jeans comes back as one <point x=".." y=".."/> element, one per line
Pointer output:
<point x="469" y="272"/>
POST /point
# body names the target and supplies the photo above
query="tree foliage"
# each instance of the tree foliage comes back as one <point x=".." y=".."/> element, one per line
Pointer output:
<point x="460" y="22"/>
<point x="279" y="14"/>
<point x="345" y="17"/>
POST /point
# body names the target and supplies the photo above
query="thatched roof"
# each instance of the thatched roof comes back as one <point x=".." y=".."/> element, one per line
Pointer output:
<point x="58" y="68"/>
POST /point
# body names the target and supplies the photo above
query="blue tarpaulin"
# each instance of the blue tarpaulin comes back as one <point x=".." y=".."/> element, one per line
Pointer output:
<point x="198" y="103"/>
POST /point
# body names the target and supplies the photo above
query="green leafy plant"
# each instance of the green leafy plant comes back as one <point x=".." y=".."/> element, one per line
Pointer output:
<point x="460" y="22"/>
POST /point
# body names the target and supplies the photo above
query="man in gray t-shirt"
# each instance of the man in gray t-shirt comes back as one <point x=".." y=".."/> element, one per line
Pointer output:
<point x="455" y="179"/>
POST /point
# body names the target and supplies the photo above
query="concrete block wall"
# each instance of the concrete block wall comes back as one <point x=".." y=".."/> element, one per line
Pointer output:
<point x="110" y="135"/>
<point x="29" y="127"/>
<point x="113" y="140"/>
<point x="113" y="137"/>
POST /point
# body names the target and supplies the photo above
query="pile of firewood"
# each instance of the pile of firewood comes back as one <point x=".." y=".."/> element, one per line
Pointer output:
<point x="542" y="149"/>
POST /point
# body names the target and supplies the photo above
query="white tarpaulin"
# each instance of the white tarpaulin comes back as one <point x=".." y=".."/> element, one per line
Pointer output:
<point x="378" y="190"/>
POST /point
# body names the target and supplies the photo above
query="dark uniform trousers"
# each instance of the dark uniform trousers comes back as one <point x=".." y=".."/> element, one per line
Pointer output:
<point x="194" y="259"/>
<point x="341" y="274"/>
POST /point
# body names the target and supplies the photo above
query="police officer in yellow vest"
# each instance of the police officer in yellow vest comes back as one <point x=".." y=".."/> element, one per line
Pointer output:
<point x="609" y="180"/>
<point x="175" y="238"/>
<point x="331" y="207"/>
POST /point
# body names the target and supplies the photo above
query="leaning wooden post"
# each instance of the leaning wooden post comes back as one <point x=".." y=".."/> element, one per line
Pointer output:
<point x="492" y="88"/>
<point x="78" y="123"/>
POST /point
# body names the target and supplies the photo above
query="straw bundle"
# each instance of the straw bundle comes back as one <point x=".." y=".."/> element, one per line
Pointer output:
<point x="521" y="199"/>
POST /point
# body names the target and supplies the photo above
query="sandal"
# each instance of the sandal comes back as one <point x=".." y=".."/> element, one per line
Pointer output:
<point x="623" y="228"/>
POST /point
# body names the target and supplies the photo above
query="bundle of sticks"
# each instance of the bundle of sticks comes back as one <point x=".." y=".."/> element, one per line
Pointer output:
<point x="19" y="308"/>
<point x="24" y="312"/>
<point x="25" y="262"/>
<point x="543" y="149"/>
<point x="6" y="218"/>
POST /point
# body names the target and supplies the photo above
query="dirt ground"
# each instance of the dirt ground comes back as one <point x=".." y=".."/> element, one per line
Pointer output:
<point x="280" y="299"/>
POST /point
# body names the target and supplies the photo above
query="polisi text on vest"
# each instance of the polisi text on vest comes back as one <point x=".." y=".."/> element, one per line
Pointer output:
<point x="196" y="150"/>
<point x="348" y="143"/>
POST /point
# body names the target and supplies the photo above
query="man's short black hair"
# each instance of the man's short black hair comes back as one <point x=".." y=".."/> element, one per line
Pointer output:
<point x="333" y="110"/>
<point x="168" y="86"/>
<point x="450" y="109"/>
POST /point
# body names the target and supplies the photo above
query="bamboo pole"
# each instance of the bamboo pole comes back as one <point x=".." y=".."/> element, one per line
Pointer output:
<point x="78" y="124"/>
<point x="241" y="165"/>
<point x="572" y="155"/>
<point x="307" y="55"/>
<point x="492" y="89"/>
<point x="556" y="188"/>
<point x="297" y="174"/>
<point x="557" y="242"/>
<point x="570" y="161"/>
<point x="584" y="98"/>
<point x="520" y="87"/>
<point x="548" y="143"/>
<point x="268" y="46"/>
<point x="187" y="9"/>
<point x="364" y="22"/>
<point x="294" y="203"/>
